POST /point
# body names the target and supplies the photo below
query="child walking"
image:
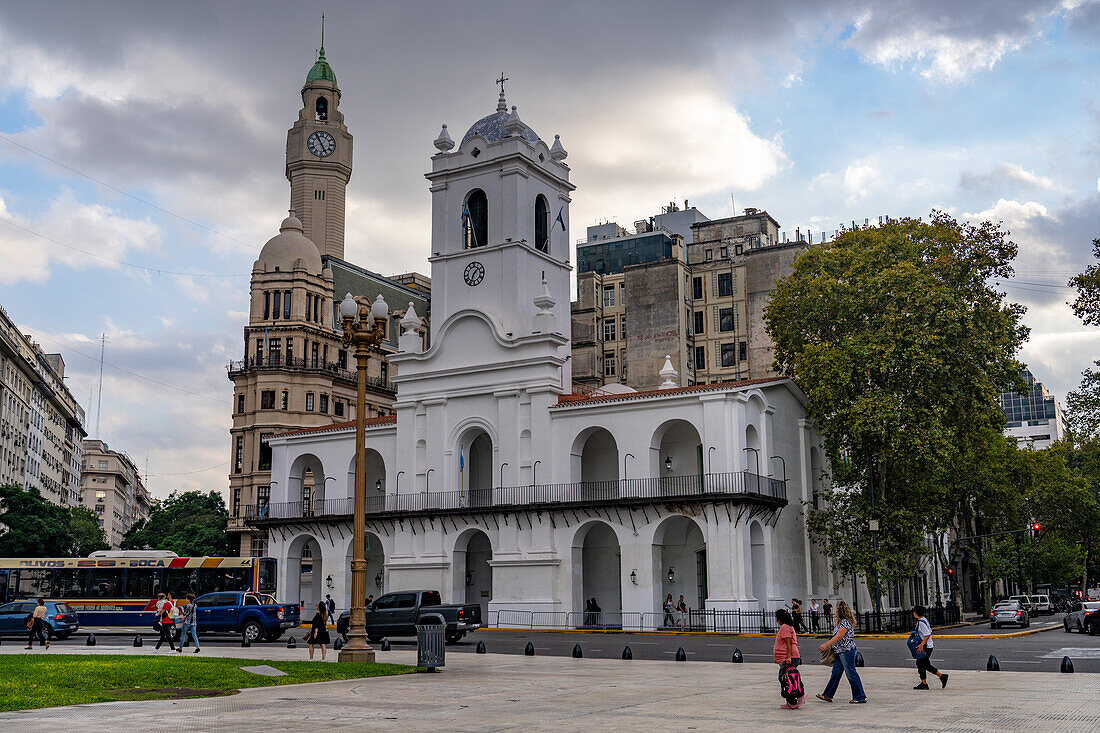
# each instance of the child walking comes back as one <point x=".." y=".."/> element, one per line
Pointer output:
<point x="788" y="659"/>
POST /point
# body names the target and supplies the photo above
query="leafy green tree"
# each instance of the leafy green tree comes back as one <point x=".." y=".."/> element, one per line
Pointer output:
<point x="1083" y="406"/>
<point x="32" y="526"/>
<point x="902" y="347"/>
<point x="85" y="534"/>
<point x="190" y="524"/>
<point x="1087" y="304"/>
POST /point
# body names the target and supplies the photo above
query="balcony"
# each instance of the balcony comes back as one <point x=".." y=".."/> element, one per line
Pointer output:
<point x="740" y="486"/>
<point x="330" y="369"/>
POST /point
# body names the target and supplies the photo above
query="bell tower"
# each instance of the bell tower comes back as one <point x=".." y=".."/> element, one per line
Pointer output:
<point x="318" y="158"/>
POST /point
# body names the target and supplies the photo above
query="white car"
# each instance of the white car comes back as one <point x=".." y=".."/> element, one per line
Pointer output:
<point x="1024" y="601"/>
<point x="1041" y="605"/>
<point x="1084" y="617"/>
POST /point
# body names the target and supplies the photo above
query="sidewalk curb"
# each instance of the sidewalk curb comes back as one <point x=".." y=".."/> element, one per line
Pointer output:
<point x="752" y="635"/>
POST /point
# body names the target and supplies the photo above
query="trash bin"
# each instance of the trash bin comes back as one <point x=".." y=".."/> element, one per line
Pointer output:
<point x="431" y="642"/>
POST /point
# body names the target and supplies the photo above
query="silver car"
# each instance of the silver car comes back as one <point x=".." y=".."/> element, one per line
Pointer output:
<point x="1009" y="612"/>
<point x="1083" y="617"/>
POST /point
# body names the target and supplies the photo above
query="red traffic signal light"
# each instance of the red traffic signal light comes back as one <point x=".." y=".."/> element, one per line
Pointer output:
<point x="951" y="571"/>
<point x="1035" y="526"/>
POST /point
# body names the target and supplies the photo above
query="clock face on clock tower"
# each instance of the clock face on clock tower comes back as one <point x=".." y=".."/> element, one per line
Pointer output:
<point x="321" y="144"/>
<point x="474" y="274"/>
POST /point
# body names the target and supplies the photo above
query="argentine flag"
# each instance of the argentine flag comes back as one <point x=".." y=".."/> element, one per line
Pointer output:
<point x="560" y="220"/>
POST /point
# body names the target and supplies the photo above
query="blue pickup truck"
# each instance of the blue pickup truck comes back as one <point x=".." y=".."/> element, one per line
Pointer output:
<point x="256" y="616"/>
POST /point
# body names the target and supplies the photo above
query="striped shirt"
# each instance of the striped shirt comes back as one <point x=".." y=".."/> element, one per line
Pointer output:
<point x="847" y="642"/>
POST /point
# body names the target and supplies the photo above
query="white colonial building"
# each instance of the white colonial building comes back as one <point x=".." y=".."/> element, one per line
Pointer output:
<point x="496" y="483"/>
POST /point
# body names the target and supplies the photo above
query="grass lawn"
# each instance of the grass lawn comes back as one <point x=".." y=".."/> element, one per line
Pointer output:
<point x="42" y="681"/>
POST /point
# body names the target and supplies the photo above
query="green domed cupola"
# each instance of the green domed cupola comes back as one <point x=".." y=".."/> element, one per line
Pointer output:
<point x="321" y="70"/>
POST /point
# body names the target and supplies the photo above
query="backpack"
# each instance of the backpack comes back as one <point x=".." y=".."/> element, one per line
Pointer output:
<point x="790" y="682"/>
<point x="914" y="641"/>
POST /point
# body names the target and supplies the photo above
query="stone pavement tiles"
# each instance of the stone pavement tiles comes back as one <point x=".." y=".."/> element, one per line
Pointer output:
<point x="505" y="692"/>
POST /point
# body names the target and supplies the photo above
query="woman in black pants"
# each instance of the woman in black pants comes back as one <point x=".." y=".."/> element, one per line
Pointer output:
<point x="167" y="623"/>
<point x="924" y="662"/>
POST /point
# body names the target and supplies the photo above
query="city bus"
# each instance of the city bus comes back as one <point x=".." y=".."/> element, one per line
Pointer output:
<point x="120" y="588"/>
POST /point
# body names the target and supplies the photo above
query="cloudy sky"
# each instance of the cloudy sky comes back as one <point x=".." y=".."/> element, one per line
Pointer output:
<point x="142" y="144"/>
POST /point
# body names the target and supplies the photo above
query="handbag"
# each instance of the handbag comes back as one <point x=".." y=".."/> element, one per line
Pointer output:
<point x="29" y="621"/>
<point x="828" y="657"/>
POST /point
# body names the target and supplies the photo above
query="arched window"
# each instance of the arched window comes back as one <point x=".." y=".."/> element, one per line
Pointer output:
<point x="542" y="224"/>
<point x="322" y="109"/>
<point x="475" y="220"/>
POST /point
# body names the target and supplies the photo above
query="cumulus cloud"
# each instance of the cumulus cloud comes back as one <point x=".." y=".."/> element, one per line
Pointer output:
<point x="1003" y="175"/>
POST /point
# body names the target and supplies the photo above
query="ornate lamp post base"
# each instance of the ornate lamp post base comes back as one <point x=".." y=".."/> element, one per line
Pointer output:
<point x="356" y="655"/>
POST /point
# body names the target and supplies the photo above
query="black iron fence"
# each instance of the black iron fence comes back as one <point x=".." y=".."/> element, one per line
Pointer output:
<point x="711" y="486"/>
<point x="305" y="364"/>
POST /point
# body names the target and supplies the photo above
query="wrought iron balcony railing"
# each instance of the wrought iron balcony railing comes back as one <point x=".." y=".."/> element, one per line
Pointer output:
<point x="740" y="484"/>
<point x="306" y="365"/>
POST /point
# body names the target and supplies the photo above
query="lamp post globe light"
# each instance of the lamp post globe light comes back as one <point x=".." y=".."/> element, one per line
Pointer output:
<point x="362" y="330"/>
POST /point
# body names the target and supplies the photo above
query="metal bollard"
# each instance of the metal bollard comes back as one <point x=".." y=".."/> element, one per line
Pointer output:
<point x="529" y="650"/>
<point x="681" y="655"/>
<point x="480" y="647"/>
<point x="291" y="643"/>
<point x="738" y="658"/>
<point x="245" y="641"/>
<point x="627" y="654"/>
<point x="992" y="665"/>
<point x="90" y="641"/>
<point x="859" y="658"/>
<point x="577" y="653"/>
<point x="385" y="646"/>
<point x="137" y="640"/>
<point x="1067" y="665"/>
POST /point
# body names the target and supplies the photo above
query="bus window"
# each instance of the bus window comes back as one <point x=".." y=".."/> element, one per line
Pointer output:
<point x="69" y="583"/>
<point x="267" y="575"/>
<point x="3" y="586"/>
<point x="106" y="583"/>
<point x="141" y="583"/>
<point x="33" y="583"/>
<point x="214" y="580"/>
<point x="181" y="581"/>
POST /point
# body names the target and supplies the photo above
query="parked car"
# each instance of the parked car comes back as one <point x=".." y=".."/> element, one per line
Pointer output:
<point x="1084" y="617"/>
<point x="61" y="620"/>
<point x="1041" y="604"/>
<point x="244" y="613"/>
<point x="397" y="614"/>
<point x="1009" y="612"/>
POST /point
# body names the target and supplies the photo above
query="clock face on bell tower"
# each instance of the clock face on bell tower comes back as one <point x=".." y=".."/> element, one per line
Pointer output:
<point x="318" y="160"/>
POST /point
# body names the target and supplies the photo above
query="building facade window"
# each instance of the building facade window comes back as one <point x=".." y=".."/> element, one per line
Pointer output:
<point x="258" y="547"/>
<point x="284" y="400"/>
<point x="608" y="296"/>
<point x="289" y="350"/>
<point x="238" y="455"/>
<point x="729" y="355"/>
<point x="309" y="402"/>
<point x="710" y="255"/>
<point x="698" y="322"/>
<point x="622" y="293"/>
<point x="240" y="404"/>
<point x="267" y="305"/>
<point x="743" y="351"/>
<point x="263" y="498"/>
<point x="267" y="399"/>
<point x="697" y="288"/>
<point x="622" y="327"/>
<point x="475" y="220"/>
<point x="727" y="321"/>
<point x="609" y="329"/>
<point x="725" y="284"/>
<point x="323" y="406"/>
<point x="264" y="463"/>
<point x="609" y="364"/>
<point x="286" y="304"/>
<point x="236" y="502"/>
<point x="342" y="358"/>
<point x="338" y="408"/>
<point x="314" y="353"/>
<point x="259" y="351"/>
<point x="276" y="303"/>
<point x="724" y="252"/>
<point x="542" y="224"/>
<point x="700" y="357"/>
<point x="276" y="347"/>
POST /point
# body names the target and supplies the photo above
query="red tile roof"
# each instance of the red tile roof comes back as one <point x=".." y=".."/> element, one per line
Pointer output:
<point x="369" y="422"/>
<point x="582" y="399"/>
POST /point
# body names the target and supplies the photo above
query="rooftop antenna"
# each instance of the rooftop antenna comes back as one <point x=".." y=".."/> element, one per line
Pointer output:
<point x="99" y="400"/>
<point x="322" y="34"/>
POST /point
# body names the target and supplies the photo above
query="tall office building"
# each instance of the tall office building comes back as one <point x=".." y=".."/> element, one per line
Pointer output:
<point x="1034" y="418"/>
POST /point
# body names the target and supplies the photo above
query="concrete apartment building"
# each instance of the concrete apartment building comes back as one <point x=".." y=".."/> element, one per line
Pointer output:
<point x="41" y="423"/>
<point x="111" y="486"/>
<point x="295" y="372"/>
<point x="680" y="285"/>
<point x="1034" y="418"/>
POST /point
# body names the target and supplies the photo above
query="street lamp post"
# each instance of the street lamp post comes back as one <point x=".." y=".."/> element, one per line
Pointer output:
<point x="362" y="330"/>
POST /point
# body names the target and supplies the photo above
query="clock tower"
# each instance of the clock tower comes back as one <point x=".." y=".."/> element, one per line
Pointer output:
<point x="318" y="159"/>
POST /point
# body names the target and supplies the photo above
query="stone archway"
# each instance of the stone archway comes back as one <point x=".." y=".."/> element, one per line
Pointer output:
<point x="758" y="565"/>
<point x="376" y="480"/>
<point x="680" y="565"/>
<point x="597" y="575"/>
<point x="594" y="464"/>
<point x="305" y="573"/>
<point x="476" y="466"/>
<point x="473" y="574"/>
<point x="376" y="568"/>
<point x="307" y="483"/>
<point x="676" y="458"/>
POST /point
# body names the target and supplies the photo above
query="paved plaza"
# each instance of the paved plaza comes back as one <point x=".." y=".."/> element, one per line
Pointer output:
<point x="505" y="692"/>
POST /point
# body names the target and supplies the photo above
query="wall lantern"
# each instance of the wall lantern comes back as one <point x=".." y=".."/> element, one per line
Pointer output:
<point x="469" y="578"/>
<point x="671" y="575"/>
<point x="634" y="577"/>
<point x="328" y="582"/>
<point x="378" y="484"/>
<point x="668" y="463"/>
<point x="378" y="579"/>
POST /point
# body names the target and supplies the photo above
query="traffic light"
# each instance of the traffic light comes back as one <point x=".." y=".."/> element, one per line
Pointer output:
<point x="1035" y="527"/>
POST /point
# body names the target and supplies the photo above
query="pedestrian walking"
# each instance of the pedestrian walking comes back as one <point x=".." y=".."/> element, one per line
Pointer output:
<point x="682" y="607"/>
<point x="166" y="605"/>
<point x="924" y="650"/>
<point x="670" y="609"/>
<point x="190" y="623"/>
<point x="330" y="606"/>
<point x="788" y="658"/>
<point x="318" y="632"/>
<point x="843" y="646"/>
<point x="815" y="614"/>
<point x="36" y="626"/>
<point x="827" y="607"/>
<point x="796" y="615"/>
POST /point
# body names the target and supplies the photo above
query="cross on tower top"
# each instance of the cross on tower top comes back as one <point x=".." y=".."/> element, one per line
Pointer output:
<point x="501" y="81"/>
